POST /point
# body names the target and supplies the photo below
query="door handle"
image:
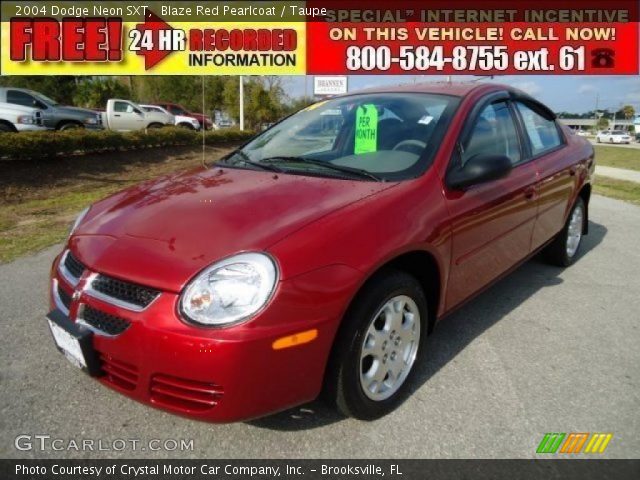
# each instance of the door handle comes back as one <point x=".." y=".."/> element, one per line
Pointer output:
<point x="116" y="115"/>
<point x="529" y="193"/>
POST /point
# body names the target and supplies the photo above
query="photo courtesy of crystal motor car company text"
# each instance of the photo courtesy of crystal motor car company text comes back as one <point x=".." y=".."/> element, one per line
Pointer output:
<point x="302" y="220"/>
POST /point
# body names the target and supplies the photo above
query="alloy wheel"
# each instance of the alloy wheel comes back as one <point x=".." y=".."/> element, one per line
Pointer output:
<point x="574" y="232"/>
<point x="389" y="348"/>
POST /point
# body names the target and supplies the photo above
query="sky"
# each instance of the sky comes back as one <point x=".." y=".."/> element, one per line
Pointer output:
<point x="574" y="94"/>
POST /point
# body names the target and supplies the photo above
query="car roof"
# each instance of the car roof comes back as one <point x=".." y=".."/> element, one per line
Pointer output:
<point x="457" y="89"/>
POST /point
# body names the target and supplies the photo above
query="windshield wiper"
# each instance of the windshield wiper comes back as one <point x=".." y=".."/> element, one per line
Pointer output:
<point x="331" y="166"/>
<point x="245" y="159"/>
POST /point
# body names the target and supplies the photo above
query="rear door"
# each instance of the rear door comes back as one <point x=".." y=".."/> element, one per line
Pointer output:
<point x="556" y="168"/>
<point x="492" y="222"/>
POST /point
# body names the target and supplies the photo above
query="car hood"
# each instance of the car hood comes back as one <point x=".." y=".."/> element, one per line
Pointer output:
<point x="75" y="111"/>
<point x="163" y="232"/>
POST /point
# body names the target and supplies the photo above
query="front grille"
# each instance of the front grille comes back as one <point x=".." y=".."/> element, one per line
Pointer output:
<point x="183" y="394"/>
<point x="131" y="293"/>
<point x="104" y="322"/>
<point x="73" y="266"/>
<point x="120" y="374"/>
<point x="64" y="297"/>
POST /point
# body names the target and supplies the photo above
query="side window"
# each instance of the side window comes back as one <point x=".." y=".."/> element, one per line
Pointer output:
<point x="122" y="107"/>
<point x="494" y="133"/>
<point x="20" y="98"/>
<point x="543" y="133"/>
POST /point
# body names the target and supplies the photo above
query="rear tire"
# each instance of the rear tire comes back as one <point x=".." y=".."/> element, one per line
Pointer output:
<point x="380" y="341"/>
<point x="154" y="126"/>
<point x="564" y="249"/>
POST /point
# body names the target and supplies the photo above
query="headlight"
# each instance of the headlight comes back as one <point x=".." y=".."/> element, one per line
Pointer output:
<point x="231" y="290"/>
<point x="26" y="119"/>
<point x="91" y="120"/>
<point x="83" y="213"/>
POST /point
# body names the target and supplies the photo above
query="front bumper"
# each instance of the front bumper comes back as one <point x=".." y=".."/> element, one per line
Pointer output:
<point x="217" y="375"/>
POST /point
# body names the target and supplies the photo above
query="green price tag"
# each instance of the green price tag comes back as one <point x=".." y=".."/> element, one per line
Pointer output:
<point x="366" y="129"/>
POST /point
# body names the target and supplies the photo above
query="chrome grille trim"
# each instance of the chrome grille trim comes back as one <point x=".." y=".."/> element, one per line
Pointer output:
<point x="56" y="298"/>
<point x="66" y="274"/>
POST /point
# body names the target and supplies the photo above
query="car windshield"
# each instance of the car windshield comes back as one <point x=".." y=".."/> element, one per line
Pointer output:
<point x="45" y="99"/>
<point x="381" y="136"/>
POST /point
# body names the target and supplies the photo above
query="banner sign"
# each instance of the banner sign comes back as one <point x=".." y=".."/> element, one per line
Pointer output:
<point x="319" y="37"/>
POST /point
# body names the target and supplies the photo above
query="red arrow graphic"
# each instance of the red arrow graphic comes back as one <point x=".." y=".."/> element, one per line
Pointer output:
<point x="154" y="24"/>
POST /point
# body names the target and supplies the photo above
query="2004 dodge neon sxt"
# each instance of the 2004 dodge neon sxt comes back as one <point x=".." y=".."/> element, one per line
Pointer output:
<point x="320" y="255"/>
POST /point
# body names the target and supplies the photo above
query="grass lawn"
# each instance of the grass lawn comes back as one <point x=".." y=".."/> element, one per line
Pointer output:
<point x="40" y="199"/>
<point x="618" y="157"/>
<point x="620" y="189"/>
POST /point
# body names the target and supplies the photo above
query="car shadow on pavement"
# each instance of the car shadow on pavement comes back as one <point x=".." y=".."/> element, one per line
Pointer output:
<point x="453" y="334"/>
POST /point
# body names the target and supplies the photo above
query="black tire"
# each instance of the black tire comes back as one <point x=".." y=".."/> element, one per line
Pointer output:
<point x="155" y="125"/>
<point x="343" y="386"/>
<point x="556" y="252"/>
<point x="186" y="126"/>
<point x="70" y="126"/>
<point x="6" y="128"/>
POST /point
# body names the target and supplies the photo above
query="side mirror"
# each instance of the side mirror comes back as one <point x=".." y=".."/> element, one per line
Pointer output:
<point x="479" y="169"/>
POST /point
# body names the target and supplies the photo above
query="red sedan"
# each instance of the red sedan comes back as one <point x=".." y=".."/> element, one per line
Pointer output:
<point x="320" y="255"/>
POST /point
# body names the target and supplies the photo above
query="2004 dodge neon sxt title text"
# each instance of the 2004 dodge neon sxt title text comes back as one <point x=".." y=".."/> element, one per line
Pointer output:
<point x="318" y="256"/>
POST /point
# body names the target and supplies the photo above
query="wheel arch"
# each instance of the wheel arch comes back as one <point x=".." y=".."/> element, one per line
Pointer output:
<point x="421" y="264"/>
<point x="67" y="121"/>
<point x="9" y="124"/>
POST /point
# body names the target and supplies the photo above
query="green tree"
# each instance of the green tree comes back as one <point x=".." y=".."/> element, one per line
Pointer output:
<point x="94" y="93"/>
<point x="628" y="111"/>
<point x="61" y="88"/>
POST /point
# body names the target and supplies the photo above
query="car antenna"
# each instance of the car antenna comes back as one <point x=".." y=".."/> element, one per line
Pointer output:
<point x="204" y="127"/>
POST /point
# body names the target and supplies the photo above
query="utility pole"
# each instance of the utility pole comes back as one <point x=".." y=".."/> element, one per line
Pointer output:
<point x="241" y="102"/>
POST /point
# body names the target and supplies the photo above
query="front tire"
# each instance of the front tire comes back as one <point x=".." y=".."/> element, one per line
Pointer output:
<point x="563" y="251"/>
<point x="381" y="339"/>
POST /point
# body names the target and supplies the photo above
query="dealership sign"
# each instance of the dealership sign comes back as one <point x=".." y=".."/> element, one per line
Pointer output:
<point x="329" y="85"/>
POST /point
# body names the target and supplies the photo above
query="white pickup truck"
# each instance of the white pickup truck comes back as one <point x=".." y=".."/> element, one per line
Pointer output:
<point x="16" y="118"/>
<point x="124" y="115"/>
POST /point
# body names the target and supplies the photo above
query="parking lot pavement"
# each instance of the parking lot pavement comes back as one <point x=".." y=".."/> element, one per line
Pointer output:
<point x="544" y="350"/>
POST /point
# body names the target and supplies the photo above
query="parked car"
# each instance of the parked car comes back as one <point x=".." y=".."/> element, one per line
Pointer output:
<point x="175" y="109"/>
<point x="54" y="115"/>
<point x="16" y="118"/>
<point x="283" y="270"/>
<point x="124" y="115"/>
<point x="178" y="120"/>
<point x="613" y="136"/>
<point x="582" y="133"/>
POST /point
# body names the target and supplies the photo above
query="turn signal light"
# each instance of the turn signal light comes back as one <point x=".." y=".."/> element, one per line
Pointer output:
<point x="295" y="339"/>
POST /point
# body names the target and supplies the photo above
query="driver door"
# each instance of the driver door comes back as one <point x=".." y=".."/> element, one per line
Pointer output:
<point x="491" y="222"/>
<point x="127" y="117"/>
